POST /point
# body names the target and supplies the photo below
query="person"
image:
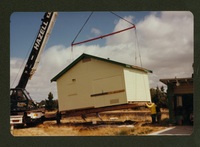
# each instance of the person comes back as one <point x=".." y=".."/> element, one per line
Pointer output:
<point x="191" y="118"/>
<point x="158" y="113"/>
<point x="152" y="107"/>
<point x="179" y="115"/>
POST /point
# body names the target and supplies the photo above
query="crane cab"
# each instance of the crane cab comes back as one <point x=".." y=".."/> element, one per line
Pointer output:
<point x="20" y="100"/>
<point x="23" y="109"/>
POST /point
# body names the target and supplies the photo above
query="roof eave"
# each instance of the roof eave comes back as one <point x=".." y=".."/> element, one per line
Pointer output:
<point x="108" y="60"/>
<point x="174" y="80"/>
<point x="66" y="69"/>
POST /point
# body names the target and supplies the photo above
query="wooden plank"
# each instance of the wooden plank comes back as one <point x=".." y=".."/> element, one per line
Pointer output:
<point x="106" y="93"/>
<point x="97" y="110"/>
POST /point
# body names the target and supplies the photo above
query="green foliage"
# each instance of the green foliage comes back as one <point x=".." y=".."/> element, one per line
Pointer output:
<point x="51" y="104"/>
<point x="50" y="96"/>
<point x="159" y="96"/>
<point x="42" y="104"/>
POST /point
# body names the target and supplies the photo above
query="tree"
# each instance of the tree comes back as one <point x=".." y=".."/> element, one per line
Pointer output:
<point x="50" y="103"/>
<point x="158" y="96"/>
<point x="42" y="104"/>
<point x="162" y="89"/>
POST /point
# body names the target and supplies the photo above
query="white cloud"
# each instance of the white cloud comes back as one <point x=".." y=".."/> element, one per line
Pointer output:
<point x="95" y="31"/>
<point x="125" y="37"/>
<point x="15" y="65"/>
<point x="165" y="44"/>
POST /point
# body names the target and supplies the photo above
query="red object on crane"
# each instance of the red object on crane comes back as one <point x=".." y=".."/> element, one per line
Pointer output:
<point x="100" y="37"/>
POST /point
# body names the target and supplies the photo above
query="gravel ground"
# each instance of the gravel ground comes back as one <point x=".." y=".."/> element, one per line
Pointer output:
<point x="112" y="125"/>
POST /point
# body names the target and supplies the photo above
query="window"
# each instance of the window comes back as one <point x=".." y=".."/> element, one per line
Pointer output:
<point x="179" y="101"/>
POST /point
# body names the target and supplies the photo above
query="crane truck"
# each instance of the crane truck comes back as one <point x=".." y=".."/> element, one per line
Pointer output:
<point x="23" y="110"/>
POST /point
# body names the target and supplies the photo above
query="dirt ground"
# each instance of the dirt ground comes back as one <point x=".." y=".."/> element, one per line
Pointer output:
<point x="112" y="124"/>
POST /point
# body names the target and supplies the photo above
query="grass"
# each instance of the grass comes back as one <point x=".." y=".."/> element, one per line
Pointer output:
<point x="141" y="125"/>
<point x="122" y="125"/>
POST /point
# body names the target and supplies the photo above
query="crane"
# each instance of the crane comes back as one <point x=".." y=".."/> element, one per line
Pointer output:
<point x="23" y="110"/>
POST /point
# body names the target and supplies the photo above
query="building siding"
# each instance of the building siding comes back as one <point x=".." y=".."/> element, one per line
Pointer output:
<point x="77" y="85"/>
<point x="114" y="90"/>
<point x="92" y="82"/>
<point x="137" y="85"/>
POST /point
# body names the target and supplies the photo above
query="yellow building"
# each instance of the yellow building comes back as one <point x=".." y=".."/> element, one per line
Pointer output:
<point x="93" y="82"/>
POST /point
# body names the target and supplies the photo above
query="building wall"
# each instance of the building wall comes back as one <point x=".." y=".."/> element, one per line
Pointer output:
<point x="137" y="85"/>
<point x="184" y="88"/>
<point x="180" y="97"/>
<point x="108" y="91"/>
<point x="91" y="83"/>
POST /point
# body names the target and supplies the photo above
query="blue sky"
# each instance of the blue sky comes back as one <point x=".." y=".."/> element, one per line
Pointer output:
<point x="164" y="41"/>
<point x="25" y="25"/>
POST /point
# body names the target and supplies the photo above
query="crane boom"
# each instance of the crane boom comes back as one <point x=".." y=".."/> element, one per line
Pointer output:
<point x="23" y="110"/>
<point x="39" y="44"/>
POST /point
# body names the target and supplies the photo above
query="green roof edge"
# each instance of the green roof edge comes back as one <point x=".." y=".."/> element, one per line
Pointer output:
<point x="99" y="58"/>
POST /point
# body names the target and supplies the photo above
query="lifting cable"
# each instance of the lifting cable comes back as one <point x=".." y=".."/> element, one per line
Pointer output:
<point x="103" y="36"/>
<point x="78" y="34"/>
<point x="122" y="18"/>
<point x="80" y="30"/>
<point x="137" y="42"/>
<point x="138" y="47"/>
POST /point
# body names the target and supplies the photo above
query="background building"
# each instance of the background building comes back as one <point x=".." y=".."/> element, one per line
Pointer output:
<point x="180" y="99"/>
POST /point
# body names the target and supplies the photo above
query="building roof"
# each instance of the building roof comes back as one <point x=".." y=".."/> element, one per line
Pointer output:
<point x="98" y="58"/>
<point x="176" y="80"/>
